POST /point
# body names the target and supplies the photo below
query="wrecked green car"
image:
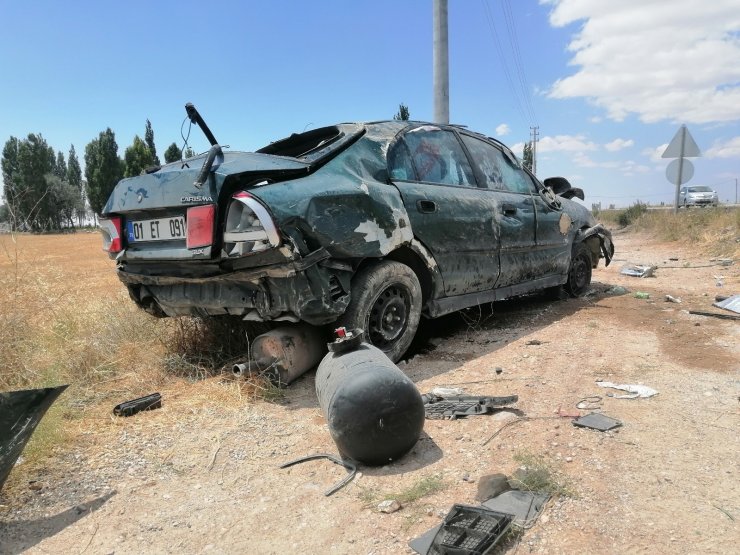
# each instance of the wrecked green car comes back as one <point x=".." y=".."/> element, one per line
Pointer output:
<point x="363" y="225"/>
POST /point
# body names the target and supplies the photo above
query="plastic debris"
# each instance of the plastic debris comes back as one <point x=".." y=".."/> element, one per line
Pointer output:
<point x="637" y="270"/>
<point x="597" y="421"/>
<point x="148" y="402"/>
<point x="641" y="295"/>
<point x="634" y="390"/>
<point x="460" y="406"/>
<point x="20" y="413"/>
<point x="729" y="303"/>
<point x="672" y="299"/>
<point x="466" y="530"/>
<point x="592" y="402"/>
<point x="447" y="391"/>
<point x="525" y="506"/>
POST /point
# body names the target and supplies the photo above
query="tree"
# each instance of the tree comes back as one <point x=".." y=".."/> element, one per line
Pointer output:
<point x="403" y="113"/>
<point x="137" y="158"/>
<point x="103" y="169"/>
<point x="66" y="199"/>
<point x="149" y="140"/>
<point x="528" y="155"/>
<point x="74" y="178"/>
<point x="189" y="152"/>
<point x="25" y="166"/>
<point x="11" y="175"/>
<point x="60" y="166"/>
<point x="172" y="154"/>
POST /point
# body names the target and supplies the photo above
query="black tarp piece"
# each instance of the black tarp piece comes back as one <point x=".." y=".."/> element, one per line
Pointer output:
<point x="20" y="413"/>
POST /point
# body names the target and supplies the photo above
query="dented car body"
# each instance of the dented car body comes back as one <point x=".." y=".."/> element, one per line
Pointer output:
<point x="372" y="225"/>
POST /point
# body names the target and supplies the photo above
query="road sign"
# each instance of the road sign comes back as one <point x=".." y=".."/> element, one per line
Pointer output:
<point x="674" y="170"/>
<point x="675" y="149"/>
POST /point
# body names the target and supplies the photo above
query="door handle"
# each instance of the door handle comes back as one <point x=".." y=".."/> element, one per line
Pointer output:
<point x="426" y="206"/>
<point x="508" y="209"/>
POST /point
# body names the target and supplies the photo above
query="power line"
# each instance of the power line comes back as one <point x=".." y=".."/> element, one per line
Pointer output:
<point x="513" y="40"/>
<point x="499" y="49"/>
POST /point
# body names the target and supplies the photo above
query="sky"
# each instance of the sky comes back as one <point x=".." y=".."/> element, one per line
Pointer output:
<point x="607" y="83"/>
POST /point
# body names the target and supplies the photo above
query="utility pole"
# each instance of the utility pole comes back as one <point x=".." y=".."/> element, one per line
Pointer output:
<point x="441" y="64"/>
<point x="535" y="134"/>
<point x="736" y="190"/>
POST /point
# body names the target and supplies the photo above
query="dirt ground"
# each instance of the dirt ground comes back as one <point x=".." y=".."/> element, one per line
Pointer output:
<point x="201" y="474"/>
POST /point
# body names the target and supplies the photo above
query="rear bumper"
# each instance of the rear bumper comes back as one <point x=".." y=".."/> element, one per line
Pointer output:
<point x="306" y="289"/>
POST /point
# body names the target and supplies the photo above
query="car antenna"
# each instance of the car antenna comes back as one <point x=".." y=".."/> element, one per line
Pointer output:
<point x="196" y="118"/>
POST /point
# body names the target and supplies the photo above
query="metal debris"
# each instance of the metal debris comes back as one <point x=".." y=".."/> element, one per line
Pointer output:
<point x="672" y="299"/>
<point x="597" y="421"/>
<point x="715" y="315"/>
<point x="460" y="406"/>
<point x="638" y="270"/>
<point x="351" y="469"/>
<point x="729" y="303"/>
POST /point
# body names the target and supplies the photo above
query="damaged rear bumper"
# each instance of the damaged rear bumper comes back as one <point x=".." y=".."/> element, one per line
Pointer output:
<point x="313" y="289"/>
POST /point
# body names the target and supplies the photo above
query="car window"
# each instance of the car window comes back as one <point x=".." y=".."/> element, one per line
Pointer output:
<point x="430" y="154"/>
<point x="499" y="172"/>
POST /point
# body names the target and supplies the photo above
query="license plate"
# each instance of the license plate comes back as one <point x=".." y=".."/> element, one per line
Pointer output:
<point x="161" y="229"/>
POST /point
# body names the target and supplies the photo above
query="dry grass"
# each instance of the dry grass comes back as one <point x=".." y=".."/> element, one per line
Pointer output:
<point x="714" y="230"/>
<point x="65" y="318"/>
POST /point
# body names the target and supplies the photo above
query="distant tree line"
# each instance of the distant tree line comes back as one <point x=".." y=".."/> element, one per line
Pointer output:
<point x="46" y="192"/>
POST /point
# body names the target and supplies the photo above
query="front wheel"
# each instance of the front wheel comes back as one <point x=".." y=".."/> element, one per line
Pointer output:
<point x="386" y="304"/>
<point x="579" y="272"/>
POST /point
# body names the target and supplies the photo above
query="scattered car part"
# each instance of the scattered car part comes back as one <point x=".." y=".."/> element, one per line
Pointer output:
<point x="285" y="353"/>
<point x="20" y="413"/>
<point x="148" y="402"/>
<point x="374" y="411"/>
<point x="638" y="270"/>
<point x="524" y="506"/>
<point x="672" y="299"/>
<point x="351" y="469"/>
<point x="715" y="315"/>
<point x="729" y="303"/>
<point x="459" y="406"/>
<point x="597" y="421"/>
<point x="634" y="390"/>
<point x="592" y="402"/>
<point x="466" y="530"/>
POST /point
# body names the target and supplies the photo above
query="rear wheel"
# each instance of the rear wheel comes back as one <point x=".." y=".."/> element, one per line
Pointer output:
<point x="579" y="272"/>
<point x="386" y="304"/>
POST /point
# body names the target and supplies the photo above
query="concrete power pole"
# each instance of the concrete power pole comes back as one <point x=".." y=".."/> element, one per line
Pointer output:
<point x="441" y="64"/>
<point x="535" y="137"/>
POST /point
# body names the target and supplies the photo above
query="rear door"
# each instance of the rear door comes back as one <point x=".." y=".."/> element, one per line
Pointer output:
<point x="513" y="210"/>
<point x="450" y="214"/>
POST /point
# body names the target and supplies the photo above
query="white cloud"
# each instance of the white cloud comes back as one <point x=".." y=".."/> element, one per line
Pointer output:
<point x="595" y="119"/>
<point x="570" y="143"/>
<point x="728" y="149"/>
<point x="655" y="154"/>
<point x="659" y="60"/>
<point x="502" y="130"/>
<point x="618" y="144"/>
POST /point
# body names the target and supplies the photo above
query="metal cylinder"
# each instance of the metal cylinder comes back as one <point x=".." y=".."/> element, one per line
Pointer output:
<point x="374" y="411"/>
<point x="288" y="352"/>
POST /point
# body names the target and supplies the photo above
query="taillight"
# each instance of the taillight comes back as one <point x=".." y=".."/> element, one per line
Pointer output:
<point x="110" y="228"/>
<point x="249" y="227"/>
<point x="199" y="223"/>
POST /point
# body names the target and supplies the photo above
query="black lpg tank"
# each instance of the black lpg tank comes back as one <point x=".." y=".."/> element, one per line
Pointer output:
<point x="374" y="411"/>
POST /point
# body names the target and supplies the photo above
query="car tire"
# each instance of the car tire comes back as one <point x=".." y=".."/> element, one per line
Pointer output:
<point x="386" y="305"/>
<point x="579" y="272"/>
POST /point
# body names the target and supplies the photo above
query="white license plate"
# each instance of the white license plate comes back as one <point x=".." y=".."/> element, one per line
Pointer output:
<point x="161" y="229"/>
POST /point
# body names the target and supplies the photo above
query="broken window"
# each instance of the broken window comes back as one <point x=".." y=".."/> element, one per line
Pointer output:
<point x="500" y="171"/>
<point x="430" y="154"/>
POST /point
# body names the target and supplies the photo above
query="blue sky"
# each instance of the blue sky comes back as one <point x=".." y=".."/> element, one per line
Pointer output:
<point x="608" y="83"/>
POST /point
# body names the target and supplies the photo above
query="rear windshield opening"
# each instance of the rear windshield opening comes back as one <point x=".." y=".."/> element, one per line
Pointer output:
<point x="299" y="145"/>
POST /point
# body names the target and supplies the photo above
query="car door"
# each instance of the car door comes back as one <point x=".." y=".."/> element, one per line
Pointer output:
<point x="513" y="210"/>
<point x="450" y="214"/>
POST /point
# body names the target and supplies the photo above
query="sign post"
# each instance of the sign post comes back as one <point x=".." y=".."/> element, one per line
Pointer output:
<point x="680" y="171"/>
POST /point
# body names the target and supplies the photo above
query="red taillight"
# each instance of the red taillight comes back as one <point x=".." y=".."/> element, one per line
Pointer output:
<point x="111" y="230"/>
<point x="200" y="225"/>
